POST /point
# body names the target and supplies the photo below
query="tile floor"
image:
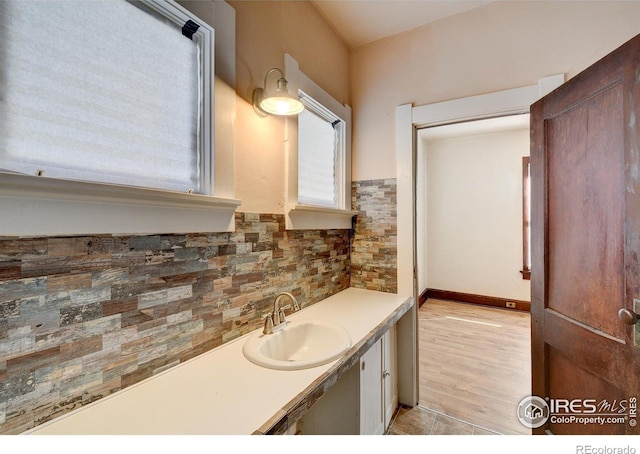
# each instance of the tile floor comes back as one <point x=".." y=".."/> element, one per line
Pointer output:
<point x="422" y="421"/>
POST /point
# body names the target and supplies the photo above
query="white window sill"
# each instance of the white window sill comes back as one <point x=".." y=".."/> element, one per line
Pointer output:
<point x="305" y="217"/>
<point x="38" y="206"/>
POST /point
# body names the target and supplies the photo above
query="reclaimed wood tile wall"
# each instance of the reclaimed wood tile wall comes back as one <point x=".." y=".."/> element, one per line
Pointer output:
<point x="374" y="250"/>
<point x="82" y="317"/>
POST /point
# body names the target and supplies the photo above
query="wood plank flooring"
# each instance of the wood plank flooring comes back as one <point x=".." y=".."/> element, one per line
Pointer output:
<point x="475" y="363"/>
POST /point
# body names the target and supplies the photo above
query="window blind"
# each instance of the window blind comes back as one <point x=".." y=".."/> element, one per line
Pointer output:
<point x="98" y="91"/>
<point x="318" y="142"/>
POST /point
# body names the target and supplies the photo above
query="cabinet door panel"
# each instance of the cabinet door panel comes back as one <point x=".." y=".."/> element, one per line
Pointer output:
<point x="371" y="402"/>
<point x="389" y="378"/>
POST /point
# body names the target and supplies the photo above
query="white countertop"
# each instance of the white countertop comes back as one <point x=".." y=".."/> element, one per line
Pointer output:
<point x="221" y="392"/>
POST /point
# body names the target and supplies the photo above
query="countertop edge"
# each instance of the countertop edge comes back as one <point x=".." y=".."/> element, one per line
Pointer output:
<point x="282" y="420"/>
<point x="279" y="418"/>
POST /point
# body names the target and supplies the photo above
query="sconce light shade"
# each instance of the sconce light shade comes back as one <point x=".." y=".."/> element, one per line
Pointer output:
<point x="278" y="102"/>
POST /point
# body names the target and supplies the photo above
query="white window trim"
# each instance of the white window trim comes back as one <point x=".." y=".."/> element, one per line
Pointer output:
<point x="299" y="216"/>
<point x="41" y="206"/>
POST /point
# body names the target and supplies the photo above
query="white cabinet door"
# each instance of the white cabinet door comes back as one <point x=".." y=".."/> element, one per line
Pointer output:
<point x="363" y="400"/>
<point x="389" y="376"/>
<point x="371" y="391"/>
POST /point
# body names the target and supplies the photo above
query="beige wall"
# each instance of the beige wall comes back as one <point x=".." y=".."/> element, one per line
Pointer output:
<point x="265" y="31"/>
<point x="473" y="202"/>
<point x="495" y="47"/>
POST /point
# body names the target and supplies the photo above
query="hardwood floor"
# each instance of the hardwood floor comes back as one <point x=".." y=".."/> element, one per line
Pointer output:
<point x="475" y="363"/>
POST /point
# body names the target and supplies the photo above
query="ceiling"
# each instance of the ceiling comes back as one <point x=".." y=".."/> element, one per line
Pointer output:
<point x="475" y="127"/>
<point x="360" y="22"/>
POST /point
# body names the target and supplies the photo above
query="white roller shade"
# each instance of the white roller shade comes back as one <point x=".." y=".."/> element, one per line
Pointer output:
<point x="318" y="147"/>
<point x="98" y="91"/>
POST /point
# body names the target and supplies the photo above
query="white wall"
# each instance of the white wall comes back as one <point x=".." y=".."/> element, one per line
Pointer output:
<point x="473" y="214"/>
<point x="265" y="32"/>
<point x="499" y="46"/>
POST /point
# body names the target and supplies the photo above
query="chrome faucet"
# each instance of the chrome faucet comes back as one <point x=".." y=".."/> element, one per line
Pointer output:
<point x="276" y="320"/>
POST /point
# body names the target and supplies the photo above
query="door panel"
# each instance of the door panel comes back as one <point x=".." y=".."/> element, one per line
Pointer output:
<point x="583" y="385"/>
<point x="586" y="211"/>
<point x="585" y="238"/>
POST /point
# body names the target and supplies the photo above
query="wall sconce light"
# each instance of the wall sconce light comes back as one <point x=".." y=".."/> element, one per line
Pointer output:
<point x="278" y="102"/>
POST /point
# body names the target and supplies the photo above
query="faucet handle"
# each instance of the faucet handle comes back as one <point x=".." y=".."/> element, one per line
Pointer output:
<point x="281" y="314"/>
<point x="294" y="300"/>
<point x="268" y="323"/>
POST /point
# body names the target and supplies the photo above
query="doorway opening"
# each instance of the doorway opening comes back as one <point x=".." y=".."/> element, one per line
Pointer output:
<point x="469" y="208"/>
<point x="474" y="361"/>
<point x="409" y="120"/>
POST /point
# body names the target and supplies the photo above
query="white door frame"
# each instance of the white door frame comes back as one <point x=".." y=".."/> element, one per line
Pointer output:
<point x="408" y="120"/>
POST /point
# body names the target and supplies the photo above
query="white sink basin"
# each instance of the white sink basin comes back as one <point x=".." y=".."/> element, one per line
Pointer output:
<point x="300" y="345"/>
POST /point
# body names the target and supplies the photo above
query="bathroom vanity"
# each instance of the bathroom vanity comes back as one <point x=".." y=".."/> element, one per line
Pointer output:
<point x="222" y="392"/>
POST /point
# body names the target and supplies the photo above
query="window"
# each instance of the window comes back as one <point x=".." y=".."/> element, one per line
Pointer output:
<point x="319" y="156"/>
<point x="105" y="104"/>
<point x="117" y="99"/>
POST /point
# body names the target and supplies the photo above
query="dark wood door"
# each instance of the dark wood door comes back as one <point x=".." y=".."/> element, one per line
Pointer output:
<point x="585" y="227"/>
